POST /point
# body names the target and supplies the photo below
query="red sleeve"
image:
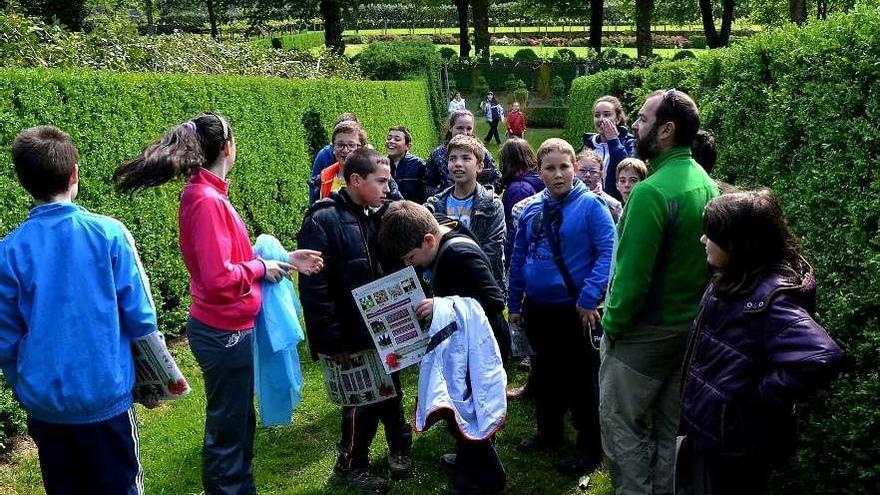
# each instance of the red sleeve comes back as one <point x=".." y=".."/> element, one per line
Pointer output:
<point x="213" y="239"/>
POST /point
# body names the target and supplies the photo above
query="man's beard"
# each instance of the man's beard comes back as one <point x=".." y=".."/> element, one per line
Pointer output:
<point x="646" y="148"/>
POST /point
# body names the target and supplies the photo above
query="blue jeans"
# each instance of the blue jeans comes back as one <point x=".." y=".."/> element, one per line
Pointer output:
<point x="227" y="363"/>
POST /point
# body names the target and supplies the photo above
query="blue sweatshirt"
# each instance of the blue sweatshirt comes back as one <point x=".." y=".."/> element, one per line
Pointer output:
<point x="73" y="294"/>
<point x="587" y="238"/>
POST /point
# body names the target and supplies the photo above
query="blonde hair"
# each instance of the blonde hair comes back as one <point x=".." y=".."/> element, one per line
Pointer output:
<point x="635" y="165"/>
<point x="588" y="154"/>
<point x="558" y="146"/>
<point x="467" y="143"/>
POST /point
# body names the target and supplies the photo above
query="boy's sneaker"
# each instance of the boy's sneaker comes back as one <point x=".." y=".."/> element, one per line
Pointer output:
<point x="362" y="480"/>
<point x="538" y="442"/>
<point x="399" y="464"/>
<point x="525" y="364"/>
<point x="447" y="463"/>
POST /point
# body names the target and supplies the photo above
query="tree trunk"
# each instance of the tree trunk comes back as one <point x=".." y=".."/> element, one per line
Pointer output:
<point x="464" y="44"/>
<point x="714" y="39"/>
<point x="212" y="18"/>
<point x="644" y="12"/>
<point x="797" y="11"/>
<point x="148" y="8"/>
<point x="330" y="11"/>
<point x="480" y="9"/>
<point x="822" y="9"/>
<point x="597" y="15"/>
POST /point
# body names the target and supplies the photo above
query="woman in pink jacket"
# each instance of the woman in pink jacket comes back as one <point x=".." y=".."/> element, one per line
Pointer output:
<point x="224" y="285"/>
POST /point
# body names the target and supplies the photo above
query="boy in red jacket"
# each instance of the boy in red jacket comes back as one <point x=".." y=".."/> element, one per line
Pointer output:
<point x="516" y="121"/>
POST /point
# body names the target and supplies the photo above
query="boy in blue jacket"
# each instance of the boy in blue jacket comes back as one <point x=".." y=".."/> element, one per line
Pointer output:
<point x="559" y="272"/>
<point x="73" y="295"/>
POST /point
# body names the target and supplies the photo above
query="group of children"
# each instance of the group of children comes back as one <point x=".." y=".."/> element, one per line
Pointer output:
<point x="544" y="252"/>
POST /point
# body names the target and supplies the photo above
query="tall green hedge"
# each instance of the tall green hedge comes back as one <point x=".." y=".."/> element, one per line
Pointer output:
<point x="113" y="116"/>
<point x="797" y="110"/>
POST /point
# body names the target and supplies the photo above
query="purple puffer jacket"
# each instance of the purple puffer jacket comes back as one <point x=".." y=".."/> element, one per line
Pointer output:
<point x="748" y="361"/>
<point x="528" y="185"/>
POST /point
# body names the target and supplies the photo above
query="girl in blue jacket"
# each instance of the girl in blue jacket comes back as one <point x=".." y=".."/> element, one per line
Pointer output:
<point x="754" y="349"/>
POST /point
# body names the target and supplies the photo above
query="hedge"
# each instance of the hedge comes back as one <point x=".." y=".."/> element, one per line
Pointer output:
<point x="112" y="116"/>
<point x="796" y="110"/>
<point x="546" y="116"/>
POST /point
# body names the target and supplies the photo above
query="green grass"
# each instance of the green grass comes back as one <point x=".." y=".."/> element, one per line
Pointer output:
<point x="298" y="459"/>
<point x="547" y="51"/>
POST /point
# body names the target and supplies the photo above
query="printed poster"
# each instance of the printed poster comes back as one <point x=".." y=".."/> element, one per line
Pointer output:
<point x="388" y="306"/>
<point x="156" y="373"/>
<point x="361" y="382"/>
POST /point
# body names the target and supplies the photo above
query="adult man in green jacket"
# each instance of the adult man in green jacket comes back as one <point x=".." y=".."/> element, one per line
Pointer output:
<point x="659" y="276"/>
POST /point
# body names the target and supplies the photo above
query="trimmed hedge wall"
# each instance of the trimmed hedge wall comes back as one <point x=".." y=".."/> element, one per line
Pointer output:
<point x="112" y="116"/>
<point x="797" y="110"/>
<point x="545" y="116"/>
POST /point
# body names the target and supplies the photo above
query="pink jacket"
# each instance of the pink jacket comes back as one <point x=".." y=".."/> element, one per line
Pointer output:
<point x="224" y="275"/>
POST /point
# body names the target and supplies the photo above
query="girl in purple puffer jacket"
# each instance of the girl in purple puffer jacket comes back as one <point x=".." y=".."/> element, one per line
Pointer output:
<point x="520" y="179"/>
<point x="754" y="350"/>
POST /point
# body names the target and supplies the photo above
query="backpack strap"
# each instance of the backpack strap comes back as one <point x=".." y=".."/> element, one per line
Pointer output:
<point x="552" y="225"/>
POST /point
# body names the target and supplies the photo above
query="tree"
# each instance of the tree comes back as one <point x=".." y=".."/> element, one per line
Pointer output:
<point x="480" y="11"/>
<point x="797" y="11"/>
<point x="212" y="18"/>
<point x="644" y="11"/>
<point x="148" y="10"/>
<point x="597" y="15"/>
<point x="331" y="12"/>
<point x="714" y="39"/>
<point x="464" y="44"/>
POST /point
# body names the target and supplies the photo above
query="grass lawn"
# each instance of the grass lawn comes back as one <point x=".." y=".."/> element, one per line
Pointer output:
<point x="546" y="51"/>
<point x="298" y="459"/>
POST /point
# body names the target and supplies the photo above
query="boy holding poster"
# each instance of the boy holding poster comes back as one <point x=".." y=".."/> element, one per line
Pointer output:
<point x="456" y="266"/>
<point x="344" y="227"/>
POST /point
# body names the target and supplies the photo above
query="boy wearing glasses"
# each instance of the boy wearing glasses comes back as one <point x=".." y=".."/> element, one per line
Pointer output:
<point x="590" y="172"/>
<point x="347" y="137"/>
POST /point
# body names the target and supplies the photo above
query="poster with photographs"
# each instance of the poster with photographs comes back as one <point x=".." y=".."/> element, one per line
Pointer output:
<point x="519" y="341"/>
<point x="388" y="306"/>
<point x="359" y="382"/>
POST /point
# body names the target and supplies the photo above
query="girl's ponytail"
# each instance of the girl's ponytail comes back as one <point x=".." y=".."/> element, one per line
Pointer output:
<point x="178" y="153"/>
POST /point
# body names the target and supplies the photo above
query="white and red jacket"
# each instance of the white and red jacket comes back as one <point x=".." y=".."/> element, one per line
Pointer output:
<point x="224" y="275"/>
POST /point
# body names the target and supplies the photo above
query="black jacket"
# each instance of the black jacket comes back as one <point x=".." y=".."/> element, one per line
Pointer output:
<point x="348" y="238"/>
<point x="463" y="269"/>
<point x="409" y="173"/>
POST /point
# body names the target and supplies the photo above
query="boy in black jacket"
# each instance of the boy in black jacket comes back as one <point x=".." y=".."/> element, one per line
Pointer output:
<point x="453" y="264"/>
<point x="344" y="227"/>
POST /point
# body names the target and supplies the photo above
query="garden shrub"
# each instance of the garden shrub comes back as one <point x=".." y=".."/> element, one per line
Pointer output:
<point x="683" y="55"/>
<point x="796" y="110"/>
<point x="111" y="117"/>
<point x="482" y="87"/>
<point x="300" y="41"/>
<point x="559" y="92"/>
<point x="408" y="59"/>
<point x="551" y="117"/>
<point x="525" y="54"/>
<point x="12" y="417"/>
<point x="565" y="55"/>
<point x="521" y="95"/>
<point x="447" y="53"/>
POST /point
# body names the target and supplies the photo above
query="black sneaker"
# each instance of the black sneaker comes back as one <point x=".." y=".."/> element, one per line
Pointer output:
<point x="578" y="464"/>
<point x="362" y="480"/>
<point x="447" y="463"/>
<point x="538" y="442"/>
<point x="399" y="464"/>
<point x="525" y="364"/>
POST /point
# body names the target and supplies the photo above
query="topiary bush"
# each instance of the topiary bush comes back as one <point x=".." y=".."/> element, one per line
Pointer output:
<point x="683" y="55"/>
<point x="796" y="110"/>
<point x="447" y="53"/>
<point x="113" y="116"/>
<point x="409" y="59"/>
<point x="525" y="54"/>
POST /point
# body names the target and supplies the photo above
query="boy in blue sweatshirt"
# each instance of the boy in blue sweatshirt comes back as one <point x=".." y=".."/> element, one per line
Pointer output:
<point x="73" y="294"/>
<point x="559" y="272"/>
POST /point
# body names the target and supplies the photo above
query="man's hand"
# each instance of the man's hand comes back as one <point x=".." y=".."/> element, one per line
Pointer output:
<point x="589" y="318"/>
<point x="275" y="270"/>
<point x="514" y="319"/>
<point x="425" y="309"/>
<point x="306" y="261"/>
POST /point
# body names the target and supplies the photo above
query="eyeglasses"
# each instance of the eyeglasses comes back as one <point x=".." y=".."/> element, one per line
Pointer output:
<point x="591" y="173"/>
<point x="348" y="146"/>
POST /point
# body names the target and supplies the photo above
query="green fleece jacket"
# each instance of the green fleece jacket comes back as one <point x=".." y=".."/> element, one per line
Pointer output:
<point x="661" y="271"/>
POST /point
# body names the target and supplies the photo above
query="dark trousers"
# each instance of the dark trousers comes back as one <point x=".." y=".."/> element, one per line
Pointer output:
<point x="98" y="458"/>
<point x="711" y="474"/>
<point x="493" y="131"/>
<point x="227" y="363"/>
<point x="565" y="371"/>
<point x="478" y="469"/>
<point x="359" y="426"/>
